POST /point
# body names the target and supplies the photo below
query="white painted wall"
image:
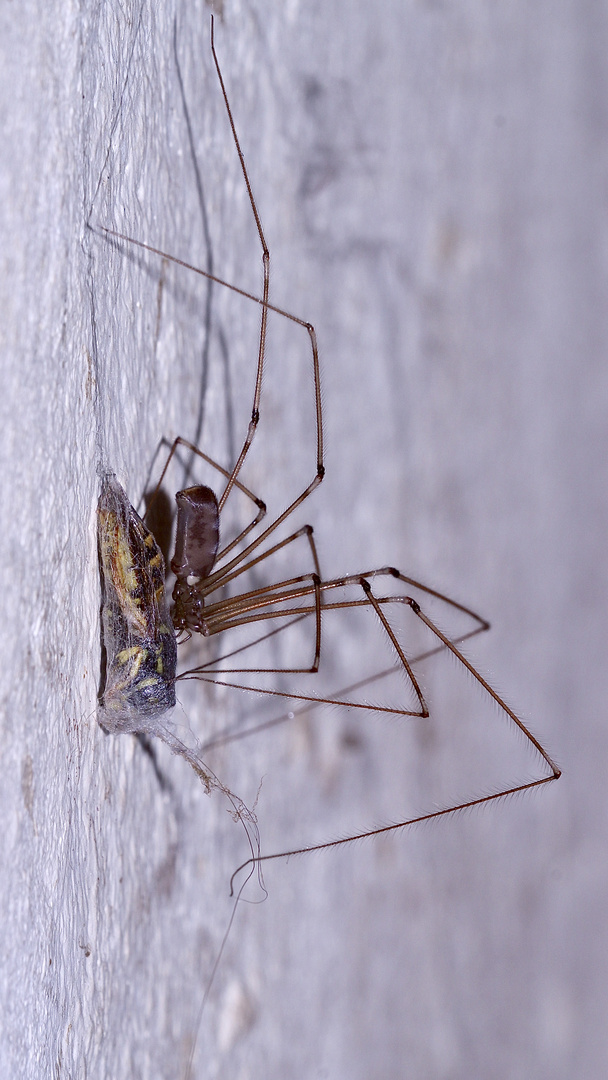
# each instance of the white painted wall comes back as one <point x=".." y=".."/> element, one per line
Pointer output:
<point x="431" y="181"/>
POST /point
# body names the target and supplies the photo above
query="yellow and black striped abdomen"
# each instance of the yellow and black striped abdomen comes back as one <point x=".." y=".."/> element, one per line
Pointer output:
<point x="138" y="636"/>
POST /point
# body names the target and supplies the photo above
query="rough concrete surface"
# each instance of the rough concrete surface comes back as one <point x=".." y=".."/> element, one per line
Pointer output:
<point x="431" y="178"/>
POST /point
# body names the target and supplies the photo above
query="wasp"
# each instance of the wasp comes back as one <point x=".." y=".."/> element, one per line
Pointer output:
<point x="138" y="636"/>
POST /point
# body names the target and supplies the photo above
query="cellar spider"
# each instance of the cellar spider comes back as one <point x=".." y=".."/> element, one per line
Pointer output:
<point x="202" y="603"/>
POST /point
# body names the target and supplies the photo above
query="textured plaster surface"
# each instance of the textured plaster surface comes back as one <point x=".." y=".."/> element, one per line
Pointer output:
<point x="431" y="179"/>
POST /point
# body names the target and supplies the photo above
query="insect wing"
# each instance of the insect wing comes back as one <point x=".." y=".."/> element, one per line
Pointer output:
<point x="138" y="636"/>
